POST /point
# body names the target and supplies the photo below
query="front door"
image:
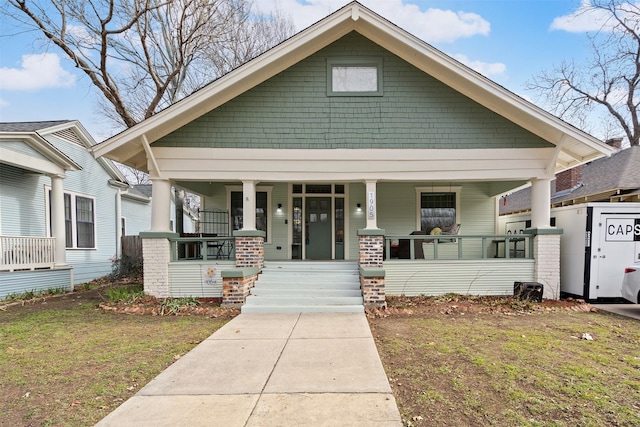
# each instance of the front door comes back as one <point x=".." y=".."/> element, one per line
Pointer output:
<point x="318" y="227"/>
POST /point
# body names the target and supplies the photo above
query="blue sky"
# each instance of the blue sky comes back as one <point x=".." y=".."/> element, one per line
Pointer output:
<point x="506" y="40"/>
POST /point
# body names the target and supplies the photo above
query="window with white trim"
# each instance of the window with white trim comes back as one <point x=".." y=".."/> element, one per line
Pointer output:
<point x="354" y="77"/>
<point x="79" y="220"/>
<point x="438" y="207"/>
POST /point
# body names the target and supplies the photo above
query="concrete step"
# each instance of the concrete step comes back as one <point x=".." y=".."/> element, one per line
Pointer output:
<point x="264" y="282"/>
<point x="268" y="291"/>
<point x="295" y="286"/>
<point x="303" y="309"/>
<point x="302" y="300"/>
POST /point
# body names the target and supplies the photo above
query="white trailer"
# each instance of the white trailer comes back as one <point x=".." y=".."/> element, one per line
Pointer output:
<point x="599" y="241"/>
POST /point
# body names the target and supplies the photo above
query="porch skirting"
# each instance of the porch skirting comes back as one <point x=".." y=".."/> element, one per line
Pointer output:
<point x="19" y="282"/>
<point x="474" y="277"/>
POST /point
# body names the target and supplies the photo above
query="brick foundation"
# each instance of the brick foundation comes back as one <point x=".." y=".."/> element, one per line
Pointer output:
<point x="373" y="292"/>
<point x="236" y="289"/>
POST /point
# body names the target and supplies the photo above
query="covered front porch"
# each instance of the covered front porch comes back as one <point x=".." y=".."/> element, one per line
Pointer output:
<point x="32" y="214"/>
<point x="363" y="222"/>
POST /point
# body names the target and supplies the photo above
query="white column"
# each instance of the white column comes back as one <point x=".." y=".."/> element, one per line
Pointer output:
<point x="160" y="205"/>
<point x="371" y="208"/>
<point x="248" y="205"/>
<point x="540" y="203"/>
<point x="57" y="220"/>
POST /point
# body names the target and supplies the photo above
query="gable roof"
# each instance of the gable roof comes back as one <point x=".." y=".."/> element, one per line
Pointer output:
<point x="56" y="163"/>
<point x="574" y="147"/>
<point x="615" y="178"/>
<point x="35" y="134"/>
<point x="30" y="126"/>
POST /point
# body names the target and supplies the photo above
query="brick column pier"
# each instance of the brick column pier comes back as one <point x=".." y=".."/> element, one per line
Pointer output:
<point x="249" y="248"/>
<point x="546" y="251"/>
<point x="156" y="254"/>
<point x="236" y="284"/>
<point x="372" y="283"/>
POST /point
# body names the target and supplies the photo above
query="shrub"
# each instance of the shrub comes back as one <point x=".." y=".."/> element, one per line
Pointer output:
<point x="126" y="266"/>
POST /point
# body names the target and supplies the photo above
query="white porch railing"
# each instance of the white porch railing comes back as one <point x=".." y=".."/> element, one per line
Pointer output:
<point x="26" y="253"/>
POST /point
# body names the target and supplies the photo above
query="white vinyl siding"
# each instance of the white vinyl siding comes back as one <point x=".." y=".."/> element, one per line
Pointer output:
<point x="22" y="202"/>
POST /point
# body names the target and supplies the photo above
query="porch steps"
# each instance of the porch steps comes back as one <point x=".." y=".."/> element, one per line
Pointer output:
<point x="306" y="286"/>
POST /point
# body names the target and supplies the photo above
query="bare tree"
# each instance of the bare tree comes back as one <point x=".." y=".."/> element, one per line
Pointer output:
<point x="609" y="81"/>
<point x="144" y="55"/>
<point x="133" y="176"/>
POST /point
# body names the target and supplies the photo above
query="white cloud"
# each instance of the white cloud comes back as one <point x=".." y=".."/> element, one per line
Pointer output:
<point x="485" y="68"/>
<point x="583" y="19"/>
<point x="3" y="103"/>
<point x="41" y="71"/>
<point x="431" y="25"/>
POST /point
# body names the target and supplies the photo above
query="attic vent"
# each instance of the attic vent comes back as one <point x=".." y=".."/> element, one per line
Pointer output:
<point x="69" y="135"/>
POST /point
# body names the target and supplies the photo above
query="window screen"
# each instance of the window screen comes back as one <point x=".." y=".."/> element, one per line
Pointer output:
<point x="437" y="210"/>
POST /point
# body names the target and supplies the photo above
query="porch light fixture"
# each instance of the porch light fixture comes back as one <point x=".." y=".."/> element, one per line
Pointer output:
<point x="358" y="208"/>
<point x="279" y="207"/>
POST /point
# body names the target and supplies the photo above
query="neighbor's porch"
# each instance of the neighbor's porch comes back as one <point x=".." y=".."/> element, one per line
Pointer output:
<point x="28" y="264"/>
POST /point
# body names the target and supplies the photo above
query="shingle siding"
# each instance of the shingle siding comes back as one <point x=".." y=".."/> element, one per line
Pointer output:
<point x="292" y="110"/>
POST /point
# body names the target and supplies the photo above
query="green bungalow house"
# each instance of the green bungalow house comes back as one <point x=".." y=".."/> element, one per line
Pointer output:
<point x="353" y="153"/>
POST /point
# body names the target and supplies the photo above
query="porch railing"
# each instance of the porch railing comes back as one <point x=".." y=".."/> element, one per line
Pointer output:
<point x="202" y="248"/>
<point x="26" y="253"/>
<point x="458" y="246"/>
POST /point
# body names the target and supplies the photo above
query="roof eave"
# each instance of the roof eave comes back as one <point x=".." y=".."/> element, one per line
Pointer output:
<point x="398" y="41"/>
<point x="44" y="147"/>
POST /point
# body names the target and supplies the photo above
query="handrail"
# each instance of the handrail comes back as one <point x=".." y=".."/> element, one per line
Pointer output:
<point x="191" y="248"/>
<point x="487" y="241"/>
<point x="26" y="252"/>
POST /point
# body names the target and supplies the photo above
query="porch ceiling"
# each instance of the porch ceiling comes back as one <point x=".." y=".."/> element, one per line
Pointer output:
<point x="573" y="146"/>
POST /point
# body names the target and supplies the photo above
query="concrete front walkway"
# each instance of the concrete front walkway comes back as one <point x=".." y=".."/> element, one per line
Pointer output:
<point x="309" y="369"/>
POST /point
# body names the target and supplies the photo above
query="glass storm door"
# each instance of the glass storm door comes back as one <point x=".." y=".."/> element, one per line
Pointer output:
<point x="318" y="228"/>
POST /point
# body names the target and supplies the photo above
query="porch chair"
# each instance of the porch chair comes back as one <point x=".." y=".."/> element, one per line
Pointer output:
<point x="404" y="246"/>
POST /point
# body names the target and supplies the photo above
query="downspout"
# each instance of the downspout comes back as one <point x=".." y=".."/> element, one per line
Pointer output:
<point x="119" y="186"/>
<point x="119" y="223"/>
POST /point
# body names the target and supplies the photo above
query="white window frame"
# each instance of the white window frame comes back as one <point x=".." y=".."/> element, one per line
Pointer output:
<point x="447" y="189"/>
<point x="270" y="212"/>
<point x="354" y="63"/>
<point x="74" y="226"/>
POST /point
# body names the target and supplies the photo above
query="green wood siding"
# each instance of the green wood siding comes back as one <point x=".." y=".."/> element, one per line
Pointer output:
<point x="396" y="204"/>
<point x="186" y="279"/>
<point x="474" y="277"/>
<point x="292" y="110"/>
<point x="397" y="209"/>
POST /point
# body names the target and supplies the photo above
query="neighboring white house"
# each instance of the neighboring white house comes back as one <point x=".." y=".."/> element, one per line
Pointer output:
<point x="597" y="207"/>
<point x="346" y="142"/>
<point x="62" y="212"/>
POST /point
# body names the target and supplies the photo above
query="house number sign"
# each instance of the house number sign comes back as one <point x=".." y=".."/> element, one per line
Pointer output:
<point x="371" y="205"/>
